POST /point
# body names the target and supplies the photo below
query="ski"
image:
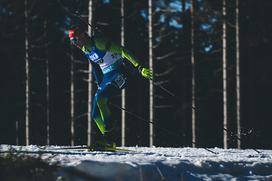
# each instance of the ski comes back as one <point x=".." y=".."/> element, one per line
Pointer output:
<point x="96" y="148"/>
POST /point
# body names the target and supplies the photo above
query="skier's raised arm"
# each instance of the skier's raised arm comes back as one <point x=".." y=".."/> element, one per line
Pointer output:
<point x="145" y="72"/>
<point x="84" y="42"/>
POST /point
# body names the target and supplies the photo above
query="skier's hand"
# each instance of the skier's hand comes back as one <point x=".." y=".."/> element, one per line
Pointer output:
<point x="145" y="72"/>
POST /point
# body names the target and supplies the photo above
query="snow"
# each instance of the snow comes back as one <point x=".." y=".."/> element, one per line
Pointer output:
<point x="156" y="163"/>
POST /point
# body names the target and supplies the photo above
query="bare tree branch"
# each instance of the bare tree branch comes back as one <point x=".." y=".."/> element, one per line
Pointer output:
<point x="166" y="34"/>
<point x="164" y="106"/>
<point x="79" y="62"/>
<point x="212" y="52"/>
<point x="231" y="25"/>
<point x="41" y="46"/>
<point x="161" y="82"/>
<point x="86" y="80"/>
<point x="166" y="56"/>
<point x="159" y="96"/>
<point x="83" y="71"/>
<point x="165" y="72"/>
<point x="81" y="115"/>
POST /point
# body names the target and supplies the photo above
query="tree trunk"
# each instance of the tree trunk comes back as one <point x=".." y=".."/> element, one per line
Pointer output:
<point x="193" y="74"/>
<point x="224" y="69"/>
<point x="72" y="99"/>
<point x="27" y="92"/>
<point x="151" y="106"/>
<point x="47" y="91"/>
<point x="238" y="118"/>
<point x="17" y="132"/>
<point x="123" y="123"/>
<point x="89" y="138"/>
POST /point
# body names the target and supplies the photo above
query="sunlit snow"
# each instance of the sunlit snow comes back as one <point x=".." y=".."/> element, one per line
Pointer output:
<point x="144" y="163"/>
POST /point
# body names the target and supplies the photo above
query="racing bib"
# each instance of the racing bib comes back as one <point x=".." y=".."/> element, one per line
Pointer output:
<point x="105" y="59"/>
<point x="93" y="56"/>
<point x="109" y="59"/>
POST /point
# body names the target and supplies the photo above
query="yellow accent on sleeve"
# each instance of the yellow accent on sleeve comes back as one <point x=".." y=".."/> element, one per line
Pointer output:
<point x="124" y="53"/>
<point x="101" y="44"/>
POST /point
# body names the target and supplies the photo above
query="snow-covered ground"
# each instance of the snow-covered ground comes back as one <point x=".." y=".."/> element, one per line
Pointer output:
<point x="143" y="163"/>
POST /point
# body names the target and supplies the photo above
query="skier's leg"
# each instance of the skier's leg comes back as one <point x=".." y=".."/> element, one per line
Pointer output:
<point x="100" y="111"/>
<point x="104" y="95"/>
<point x="104" y="110"/>
<point x="96" y="115"/>
<point x="102" y="114"/>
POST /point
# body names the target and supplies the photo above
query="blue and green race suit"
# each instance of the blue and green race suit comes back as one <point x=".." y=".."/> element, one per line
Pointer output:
<point x="107" y="58"/>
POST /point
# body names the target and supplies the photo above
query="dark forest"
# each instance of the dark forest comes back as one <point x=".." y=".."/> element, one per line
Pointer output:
<point x="182" y="88"/>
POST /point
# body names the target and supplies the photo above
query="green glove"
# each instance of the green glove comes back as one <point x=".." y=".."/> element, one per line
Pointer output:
<point x="145" y="72"/>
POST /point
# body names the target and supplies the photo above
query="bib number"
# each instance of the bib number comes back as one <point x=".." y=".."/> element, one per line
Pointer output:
<point x="95" y="58"/>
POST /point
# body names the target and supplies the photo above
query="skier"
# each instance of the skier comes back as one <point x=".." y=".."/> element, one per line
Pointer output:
<point x="111" y="74"/>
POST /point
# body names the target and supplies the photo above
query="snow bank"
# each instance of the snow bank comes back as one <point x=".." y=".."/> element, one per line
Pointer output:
<point x="143" y="163"/>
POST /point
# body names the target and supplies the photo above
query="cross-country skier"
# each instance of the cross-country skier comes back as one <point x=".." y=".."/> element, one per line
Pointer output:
<point x="108" y="61"/>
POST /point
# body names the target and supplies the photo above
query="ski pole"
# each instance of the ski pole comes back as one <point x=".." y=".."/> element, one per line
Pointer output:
<point x="79" y="17"/>
<point x="166" y="90"/>
<point x="147" y="121"/>
<point x="225" y="129"/>
<point x="143" y="119"/>
<point x="175" y="97"/>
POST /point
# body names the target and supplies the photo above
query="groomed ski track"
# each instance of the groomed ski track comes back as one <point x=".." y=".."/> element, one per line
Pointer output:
<point x="144" y="163"/>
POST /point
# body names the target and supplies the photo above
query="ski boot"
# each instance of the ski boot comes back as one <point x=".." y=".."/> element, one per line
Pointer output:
<point x="104" y="144"/>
